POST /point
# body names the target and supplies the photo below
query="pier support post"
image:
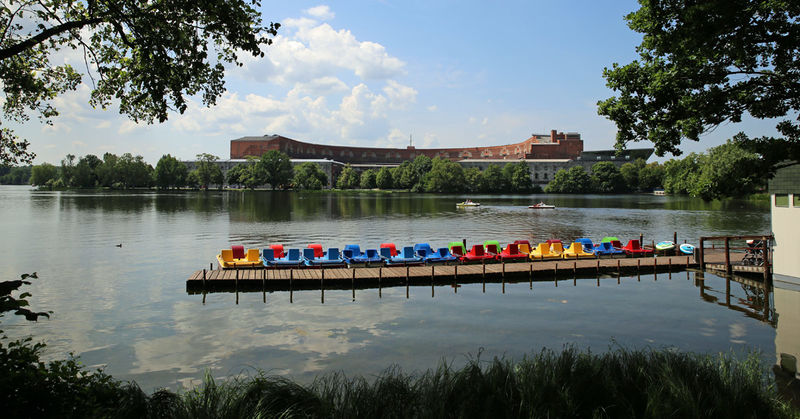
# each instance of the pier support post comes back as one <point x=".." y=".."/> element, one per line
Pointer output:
<point x="701" y="255"/>
<point x="530" y="275"/>
<point x="727" y="256"/>
<point x="483" y="261"/>
<point x="455" y="271"/>
<point x="767" y="262"/>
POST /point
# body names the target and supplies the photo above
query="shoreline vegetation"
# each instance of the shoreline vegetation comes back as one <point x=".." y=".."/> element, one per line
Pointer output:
<point x="726" y="171"/>
<point x="621" y="383"/>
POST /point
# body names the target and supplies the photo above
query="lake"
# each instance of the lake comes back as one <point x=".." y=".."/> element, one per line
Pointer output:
<point x="126" y="308"/>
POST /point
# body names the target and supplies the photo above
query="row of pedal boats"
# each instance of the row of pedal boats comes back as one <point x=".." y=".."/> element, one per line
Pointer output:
<point x="276" y="256"/>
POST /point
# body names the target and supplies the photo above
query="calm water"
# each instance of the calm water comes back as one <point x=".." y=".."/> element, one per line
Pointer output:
<point x="126" y="308"/>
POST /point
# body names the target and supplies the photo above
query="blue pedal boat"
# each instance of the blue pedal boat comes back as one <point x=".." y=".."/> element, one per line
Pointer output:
<point x="331" y="258"/>
<point x="406" y="257"/>
<point x="291" y="260"/>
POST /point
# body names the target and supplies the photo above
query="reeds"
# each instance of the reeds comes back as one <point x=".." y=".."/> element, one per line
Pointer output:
<point x="569" y="383"/>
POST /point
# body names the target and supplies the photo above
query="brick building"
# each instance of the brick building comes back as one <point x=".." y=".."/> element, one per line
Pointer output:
<point x="557" y="145"/>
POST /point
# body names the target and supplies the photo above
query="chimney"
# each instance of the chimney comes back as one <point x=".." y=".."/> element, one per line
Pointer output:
<point x="553" y="135"/>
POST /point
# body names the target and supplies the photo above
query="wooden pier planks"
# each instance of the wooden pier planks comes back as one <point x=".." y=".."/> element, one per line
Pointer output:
<point x="366" y="276"/>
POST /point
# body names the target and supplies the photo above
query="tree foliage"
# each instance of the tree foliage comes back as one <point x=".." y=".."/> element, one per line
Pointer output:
<point x="348" y="179"/>
<point x="444" y="176"/>
<point x="606" y="178"/>
<point x="703" y="63"/>
<point x="368" y="179"/>
<point x="207" y="172"/>
<point x="170" y="173"/>
<point x="384" y="179"/>
<point x="147" y="55"/>
<point x="276" y="169"/>
<point x="574" y="180"/>
<point x="310" y="176"/>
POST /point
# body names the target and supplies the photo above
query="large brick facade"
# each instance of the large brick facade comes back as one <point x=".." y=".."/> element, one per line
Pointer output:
<point x="557" y="145"/>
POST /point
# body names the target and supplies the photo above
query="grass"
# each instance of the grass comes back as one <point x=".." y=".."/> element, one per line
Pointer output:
<point x="569" y="383"/>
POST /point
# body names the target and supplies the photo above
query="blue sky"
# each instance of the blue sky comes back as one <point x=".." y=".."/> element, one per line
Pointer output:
<point x="373" y="73"/>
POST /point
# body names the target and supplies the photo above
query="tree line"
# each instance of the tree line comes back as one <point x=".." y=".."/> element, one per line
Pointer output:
<point x="728" y="170"/>
<point x="424" y="174"/>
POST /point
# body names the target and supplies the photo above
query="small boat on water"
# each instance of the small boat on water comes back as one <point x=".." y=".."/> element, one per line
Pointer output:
<point x="687" y="249"/>
<point x="665" y="246"/>
<point x="542" y="205"/>
<point x="468" y="203"/>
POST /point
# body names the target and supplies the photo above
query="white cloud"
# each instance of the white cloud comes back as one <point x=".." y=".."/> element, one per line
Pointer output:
<point x="306" y="49"/>
<point x="78" y="144"/>
<point x="433" y="108"/>
<point x="399" y="96"/>
<point x="321" y="12"/>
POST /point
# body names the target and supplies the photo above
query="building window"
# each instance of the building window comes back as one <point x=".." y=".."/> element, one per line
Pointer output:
<point x="796" y="201"/>
<point x="628" y="157"/>
<point x="599" y="157"/>
<point x="545" y="176"/>
<point x="536" y="176"/>
<point x="782" y="200"/>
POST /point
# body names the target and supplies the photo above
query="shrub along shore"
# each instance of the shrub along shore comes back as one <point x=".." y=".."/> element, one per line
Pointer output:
<point x="621" y="383"/>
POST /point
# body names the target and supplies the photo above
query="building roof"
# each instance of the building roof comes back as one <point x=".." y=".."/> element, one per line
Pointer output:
<point x="786" y="180"/>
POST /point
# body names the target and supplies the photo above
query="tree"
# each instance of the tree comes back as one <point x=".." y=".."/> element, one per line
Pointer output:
<point x="170" y="172"/>
<point x="704" y="63"/>
<point x="680" y="175"/>
<point x="276" y="168"/>
<point x="473" y="179"/>
<point x="606" y="178"/>
<point x="368" y="179"/>
<point x="207" y="170"/>
<point x="493" y="179"/>
<point x="574" y="180"/>
<point x="16" y="175"/>
<point x="729" y="170"/>
<point x="252" y="174"/>
<point x="235" y="174"/>
<point x="384" y="178"/>
<point x="630" y="173"/>
<point x="148" y="55"/>
<point x="84" y="175"/>
<point x="134" y="172"/>
<point x="348" y="179"/>
<point x="309" y="176"/>
<point x="43" y="173"/>
<point x="651" y="176"/>
<point x="518" y="177"/>
<point x="445" y="176"/>
<point x="67" y="166"/>
<point x="107" y="172"/>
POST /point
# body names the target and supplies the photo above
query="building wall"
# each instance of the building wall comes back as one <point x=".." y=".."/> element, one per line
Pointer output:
<point x="555" y="146"/>
<point x="785" y="187"/>
<point x="786" y="228"/>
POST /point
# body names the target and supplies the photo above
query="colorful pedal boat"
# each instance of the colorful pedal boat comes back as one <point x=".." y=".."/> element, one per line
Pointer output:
<point x="352" y="256"/>
<point x="329" y="259"/>
<point x="588" y="246"/>
<point x="634" y="248"/>
<point x="405" y="257"/>
<point x="235" y="257"/>
<point x="511" y="253"/>
<point x="607" y="249"/>
<point x="543" y="251"/>
<point x="575" y="251"/>
<point x="292" y="258"/>
<point x="477" y="254"/>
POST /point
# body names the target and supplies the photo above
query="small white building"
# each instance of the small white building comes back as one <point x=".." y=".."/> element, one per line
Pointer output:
<point x="784" y="190"/>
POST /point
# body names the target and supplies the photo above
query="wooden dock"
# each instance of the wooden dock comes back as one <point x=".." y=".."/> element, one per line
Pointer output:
<point x="371" y="277"/>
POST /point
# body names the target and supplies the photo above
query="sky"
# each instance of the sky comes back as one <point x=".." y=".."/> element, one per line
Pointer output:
<point x="389" y="73"/>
